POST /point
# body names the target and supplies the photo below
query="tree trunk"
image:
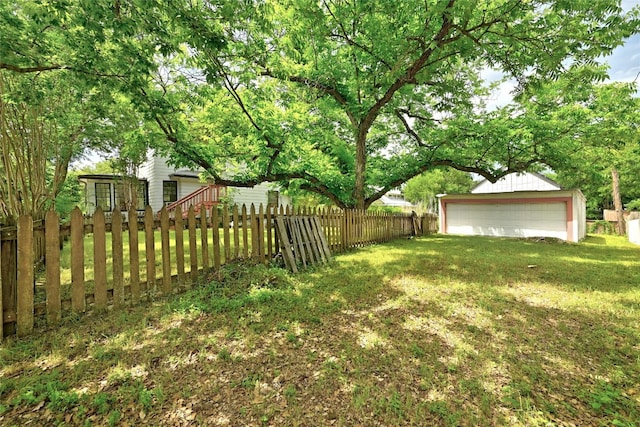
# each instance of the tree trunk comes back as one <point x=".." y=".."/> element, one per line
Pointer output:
<point x="361" y="166"/>
<point x="617" y="201"/>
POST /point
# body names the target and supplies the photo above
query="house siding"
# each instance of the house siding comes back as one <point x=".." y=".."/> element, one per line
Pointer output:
<point x="580" y="215"/>
<point x="256" y="195"/>
<point x="516" y="182"/>
<point x="634" y="231"/>
<point x="186" y="186"/>
<point x="156" y="171"/>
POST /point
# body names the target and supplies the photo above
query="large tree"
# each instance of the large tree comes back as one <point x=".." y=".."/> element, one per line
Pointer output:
<point x="349" y="99"/>
<point x="343" y="98"/>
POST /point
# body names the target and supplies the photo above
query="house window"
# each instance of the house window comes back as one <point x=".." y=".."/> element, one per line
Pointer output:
<point x="103" y="196"/>
<point x="141" y="196"/>
<point x="273" y="198"/>
<point x="169" y="191"/>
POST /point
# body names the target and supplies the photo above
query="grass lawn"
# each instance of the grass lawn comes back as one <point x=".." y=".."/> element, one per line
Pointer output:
<point x="439" y="330"/>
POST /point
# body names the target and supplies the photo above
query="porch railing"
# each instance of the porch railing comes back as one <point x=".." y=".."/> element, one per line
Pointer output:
<point x="207" y="196"/>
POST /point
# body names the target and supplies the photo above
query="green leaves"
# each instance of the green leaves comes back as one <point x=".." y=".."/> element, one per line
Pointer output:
<point x="608" y="137"/>
<point x="397" y="81"/>
<point x="423" y="189"/>
<point x="345" y="99"/>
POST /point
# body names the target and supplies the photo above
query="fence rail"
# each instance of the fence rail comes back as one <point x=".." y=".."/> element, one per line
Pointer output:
<point x="130" y="259"/>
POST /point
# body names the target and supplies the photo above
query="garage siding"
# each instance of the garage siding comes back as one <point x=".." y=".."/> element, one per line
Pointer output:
<point x="513" y="220"/>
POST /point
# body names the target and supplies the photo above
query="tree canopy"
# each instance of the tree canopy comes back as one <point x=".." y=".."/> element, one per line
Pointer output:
<point x="346" y="99"/>
<point x="610" y="142"/>
<point x="350" y="99"/>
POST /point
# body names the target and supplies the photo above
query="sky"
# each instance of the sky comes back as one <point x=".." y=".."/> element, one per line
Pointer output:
<point x="624" y="63"/>
<point x="625" y="60"/>
<point x="624" y="66"/>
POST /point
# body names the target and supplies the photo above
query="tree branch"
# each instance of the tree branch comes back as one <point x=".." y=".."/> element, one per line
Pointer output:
<point x="36" y="69"/>
<point x="410" y="75"/>
<point x="352" y="42"/>
<point x="446" y="162"/>
<point x="362" y="48"/>
<point x="324" y="192"/>
<point x="327" y="89"/>
<point x="409" y="129"/>
<point x="54" y="67"/>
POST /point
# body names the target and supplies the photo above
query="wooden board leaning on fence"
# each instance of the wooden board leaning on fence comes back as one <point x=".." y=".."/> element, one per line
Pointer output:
<point x="302" y="241"/>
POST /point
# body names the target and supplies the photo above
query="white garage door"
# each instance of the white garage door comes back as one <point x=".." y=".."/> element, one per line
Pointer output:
<point x="504" y="219"/>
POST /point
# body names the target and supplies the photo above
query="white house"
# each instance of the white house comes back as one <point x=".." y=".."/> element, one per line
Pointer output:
<point x="162" y="185"/>
<point x="518" y="205"/>
<point x="395" y="198"/>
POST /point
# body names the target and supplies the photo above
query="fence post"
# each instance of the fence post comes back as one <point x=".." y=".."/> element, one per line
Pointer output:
<point x="215" y="223"/>
<point x="204" y="237"/>
<point x="77" y="261"/>
<point x="261" y="234"/>
<point x="269" y="230"/>
<point x="25" y="276"/>
<point x="134" y="255"/>
<point x="117" y="255"/>
<point x="337" y="234"/>
<point x="166" y="251"/>
<point x="253" y="226"/>
<point x="1" y="291"/>
<point x="8" y="281"/>
<point x="99" y="260"/>
<point x="226" y="236"/>
<point x="52" y="257"/>
<point x="277" y="212"/>
<point x="236" y="233"/>
<point x="245" y="232"/>
<point x="179" y="233"/>
<point x="343" y="230"/>
<point x="150" y="251"/>
<point x="193" y="246"/>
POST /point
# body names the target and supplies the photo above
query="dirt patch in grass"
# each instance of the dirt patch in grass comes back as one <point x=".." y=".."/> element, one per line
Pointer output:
<point x="432" y="331"/>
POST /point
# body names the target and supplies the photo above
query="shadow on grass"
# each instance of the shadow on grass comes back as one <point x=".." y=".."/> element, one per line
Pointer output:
<point x="595" y="239"/>
<point x="501" y="261"/>
<point x="437" y="331"/>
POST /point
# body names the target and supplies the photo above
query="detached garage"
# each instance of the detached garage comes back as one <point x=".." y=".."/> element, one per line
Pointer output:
<point x="538" y="212"/>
